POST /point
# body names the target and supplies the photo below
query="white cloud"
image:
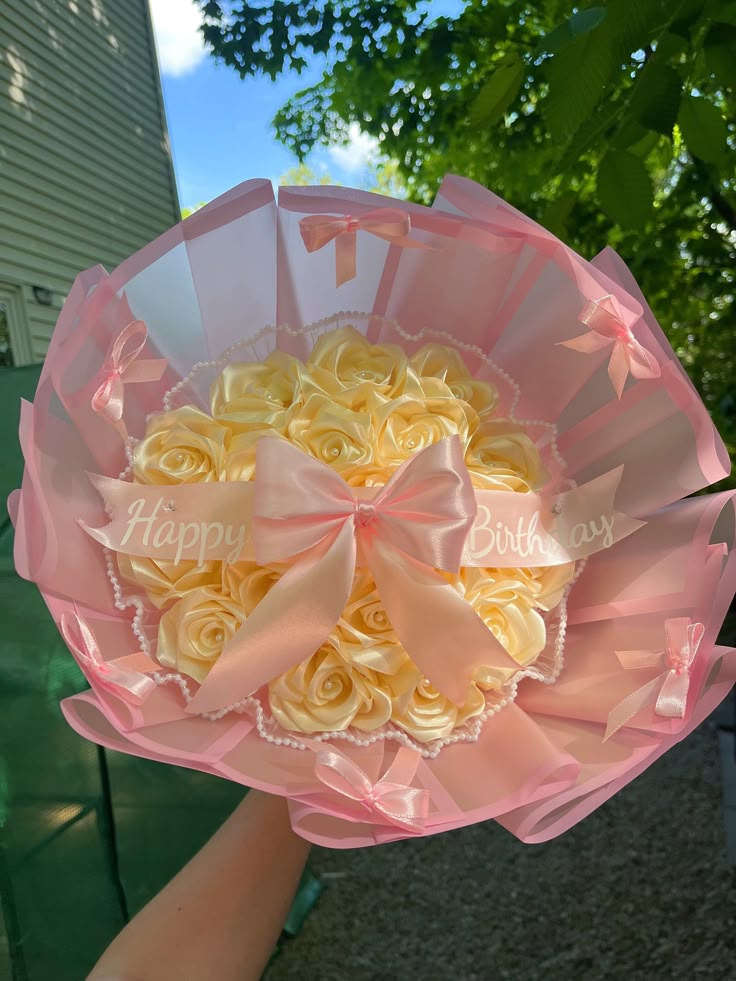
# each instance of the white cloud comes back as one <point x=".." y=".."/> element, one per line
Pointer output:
<point x="360" y="150"/>
<point x="178" y="41"/>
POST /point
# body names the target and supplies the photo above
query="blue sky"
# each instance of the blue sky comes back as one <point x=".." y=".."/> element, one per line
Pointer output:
<point x="220" y="126"/>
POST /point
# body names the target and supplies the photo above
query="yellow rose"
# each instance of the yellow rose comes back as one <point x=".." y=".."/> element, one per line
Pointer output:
<point x="435" y="361"/>
<point x="505" y="604"/>
<point x="332" y="433"/>
<point x="164" y="581"/>
<point x="183" y="446"/>
<point x="406" y="425"/>
<point x="253" y="396"/>
<point x="326" y="693"/>
<point x="240" y="457"/>
<point x="358" y="367"/>
<point x="248" y="583"/>
<point x="193" y="632"/>
<point x="426" y="714"/>
<point x="546" y="584"/>
<point x="502" y="457"/>
<point x="364" y="615"/>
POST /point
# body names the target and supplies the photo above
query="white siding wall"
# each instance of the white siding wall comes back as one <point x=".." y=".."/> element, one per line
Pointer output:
<point x="85" y="164"/>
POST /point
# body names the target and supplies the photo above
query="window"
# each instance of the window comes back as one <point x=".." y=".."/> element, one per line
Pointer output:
<point x="6" y="354"/>
<point x="15" y="337"/>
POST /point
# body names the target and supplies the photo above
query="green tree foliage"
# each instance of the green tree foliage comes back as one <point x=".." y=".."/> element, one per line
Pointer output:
<point x="382" y="176"/>
<point x="611" y="124"/>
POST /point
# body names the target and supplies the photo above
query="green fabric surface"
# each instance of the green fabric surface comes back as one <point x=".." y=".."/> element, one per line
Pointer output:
<point x="87" y="837"/>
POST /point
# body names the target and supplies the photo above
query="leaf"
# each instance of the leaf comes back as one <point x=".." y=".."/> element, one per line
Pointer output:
<point x="497" y="94"/>
<point x="577" y="82"/>
<point x="557" y="212"/>
<point x="624" y="189"/>
<point x="643" y="147"/>
<point x="580" y="23"/>
<point x="656" y="98"/>
<point x="720" y="53"/>
<point x="703" y="129"/>
<point x="686" y="17"/>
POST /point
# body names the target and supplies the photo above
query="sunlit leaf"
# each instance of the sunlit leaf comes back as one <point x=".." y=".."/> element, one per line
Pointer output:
<point x="497" y="94"/>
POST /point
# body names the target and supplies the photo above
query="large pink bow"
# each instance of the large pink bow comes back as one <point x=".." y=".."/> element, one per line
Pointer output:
<point x="418" y="522"/>
<point x="389" y="224"/>
<point x="120" y="369"/>
<point x="672" y="685"/>
<point x="605" y="319"/>
<point x="391" y="797"/>
<point x="124" y="676"/>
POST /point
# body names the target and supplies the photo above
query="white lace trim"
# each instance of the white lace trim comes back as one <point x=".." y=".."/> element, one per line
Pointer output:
<point x="546" y="668"/>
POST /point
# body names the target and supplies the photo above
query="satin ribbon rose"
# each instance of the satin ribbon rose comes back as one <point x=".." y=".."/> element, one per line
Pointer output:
<point x="426" y="714"/>
<point x="545" y="585"/>
<point x="436" y="362"/>
<point x="351" y="369"/>
<point x="256" y="396"/>
<point x="501" y="456"/>
<point x="333" y="434"/>
<point x="406" y="425"/>
<point x="183" y="446"/>
<point x="328" y="693"/>
<point x="505" y="604"/>
<point x="364" y="615"/>
<point x="240" y="456"/>
<point x="193" y="632"/>
<point x="249" y="583"/>
<point x="164" y="582"/>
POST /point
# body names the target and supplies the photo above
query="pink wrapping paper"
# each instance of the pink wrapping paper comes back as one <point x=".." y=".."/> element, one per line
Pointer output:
<point x="497" y="286"/>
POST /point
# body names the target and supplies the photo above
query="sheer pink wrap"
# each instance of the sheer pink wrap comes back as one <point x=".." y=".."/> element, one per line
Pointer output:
<point x="492" y="282"/>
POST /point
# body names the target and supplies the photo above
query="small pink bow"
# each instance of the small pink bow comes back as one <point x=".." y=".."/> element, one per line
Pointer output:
<point x="391" y="797"/>
<point x="123" y="677"/>
<point x="417" y="523"/>
<point x="122" y="368"/>
<point x="605" y="319"/>
<point x="672" y="685"/>
<point x="389" y="224"/>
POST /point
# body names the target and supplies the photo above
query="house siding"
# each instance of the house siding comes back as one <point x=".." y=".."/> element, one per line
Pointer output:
<point x="86" y="175"/>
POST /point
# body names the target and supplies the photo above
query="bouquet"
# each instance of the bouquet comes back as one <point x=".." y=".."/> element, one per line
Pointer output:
<point x="381" y="508"/>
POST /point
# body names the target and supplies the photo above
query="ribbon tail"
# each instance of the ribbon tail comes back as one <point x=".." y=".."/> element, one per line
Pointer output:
<point x="628" y="707"/>
<point x="289" y="624"/>
<point x="440" y="631"/>
<point x="618" y="367"/>
<point x="345" y="258"/>
<point x="672" y="698"/>
<point x="586" y="343"/>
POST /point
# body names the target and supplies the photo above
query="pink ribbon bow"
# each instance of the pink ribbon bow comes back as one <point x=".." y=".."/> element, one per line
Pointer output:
<point x="120" y="369"/>
<point x="605" y="319"/>
<point x="672" y="685"/>
<point x="123" y="677"/>
<point x="418" y="522"/>
<point x="389" y="224"/>
<point x="391" y="798"/>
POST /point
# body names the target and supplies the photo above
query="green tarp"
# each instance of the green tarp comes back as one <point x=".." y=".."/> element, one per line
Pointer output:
<point x="86" y="836"/>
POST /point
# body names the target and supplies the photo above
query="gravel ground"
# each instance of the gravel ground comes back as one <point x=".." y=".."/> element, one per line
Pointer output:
<point x="641" y="889"/>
